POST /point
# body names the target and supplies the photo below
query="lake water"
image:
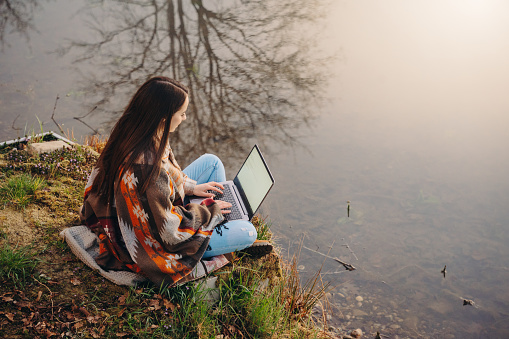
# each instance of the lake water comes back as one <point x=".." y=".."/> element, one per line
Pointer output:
<point x="396" y="109"/>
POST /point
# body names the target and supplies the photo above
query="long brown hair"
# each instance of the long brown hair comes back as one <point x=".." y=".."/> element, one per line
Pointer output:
<point x="136" y="131"/>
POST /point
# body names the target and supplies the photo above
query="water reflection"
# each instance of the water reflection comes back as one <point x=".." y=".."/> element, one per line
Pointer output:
<point x="17" y="16"/>
<point x="249" y="78"/>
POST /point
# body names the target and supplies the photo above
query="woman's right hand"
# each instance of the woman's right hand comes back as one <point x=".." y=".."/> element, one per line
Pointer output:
<point x="202" y="190"/>
<point x="224" y="206"/>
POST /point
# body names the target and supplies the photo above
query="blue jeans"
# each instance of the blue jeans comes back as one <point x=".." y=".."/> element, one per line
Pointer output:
<point x="231" y="236"/>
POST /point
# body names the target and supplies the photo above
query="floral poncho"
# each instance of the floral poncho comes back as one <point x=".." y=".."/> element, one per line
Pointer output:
<point x="152" y="233"/>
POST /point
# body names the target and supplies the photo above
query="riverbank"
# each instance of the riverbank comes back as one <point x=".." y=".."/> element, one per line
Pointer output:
<point x="47" y="292"/>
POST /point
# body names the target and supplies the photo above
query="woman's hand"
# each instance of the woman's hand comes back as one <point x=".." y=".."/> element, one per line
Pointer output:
<point x="201" y="190"/>
<point x="224" y="206"/>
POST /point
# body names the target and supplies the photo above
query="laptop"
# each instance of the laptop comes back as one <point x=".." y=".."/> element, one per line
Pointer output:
<point x="248" y="189"/>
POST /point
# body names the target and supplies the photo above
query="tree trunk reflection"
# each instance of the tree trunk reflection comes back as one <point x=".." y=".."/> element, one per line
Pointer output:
<point x="250" y="76"/>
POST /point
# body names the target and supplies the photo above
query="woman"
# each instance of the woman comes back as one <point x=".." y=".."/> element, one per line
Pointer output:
<point x="134" y="197"/>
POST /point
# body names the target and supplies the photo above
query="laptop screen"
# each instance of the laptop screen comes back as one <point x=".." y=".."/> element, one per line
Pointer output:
<point x="255" y="179"/>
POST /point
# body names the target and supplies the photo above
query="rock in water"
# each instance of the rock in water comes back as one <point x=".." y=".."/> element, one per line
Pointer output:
<point x="356" y="333"/>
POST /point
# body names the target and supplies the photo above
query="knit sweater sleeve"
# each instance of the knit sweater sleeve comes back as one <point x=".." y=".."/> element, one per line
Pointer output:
<point x="189" y="185"/>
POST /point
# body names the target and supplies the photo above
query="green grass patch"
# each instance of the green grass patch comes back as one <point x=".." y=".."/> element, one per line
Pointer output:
<point x="262" y="228"/>
<point x="19" y="190"/>
<point x="16" y="264"/>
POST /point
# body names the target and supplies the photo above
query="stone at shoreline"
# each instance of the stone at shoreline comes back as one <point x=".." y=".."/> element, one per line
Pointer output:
<point x="46" y="147"/>
<point x="359" y="313"/>
<point x="356" y="333"/>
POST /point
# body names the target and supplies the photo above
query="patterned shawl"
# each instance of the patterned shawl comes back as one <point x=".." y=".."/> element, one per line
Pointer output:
<point x="153" y="233"/>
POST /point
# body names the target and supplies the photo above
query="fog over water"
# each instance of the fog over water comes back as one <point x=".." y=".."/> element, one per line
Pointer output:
<point x="416" y="137"/>
<point x="412" y="128"/>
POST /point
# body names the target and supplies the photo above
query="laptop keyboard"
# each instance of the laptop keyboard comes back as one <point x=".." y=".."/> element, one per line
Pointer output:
<point x="228" y="197"/>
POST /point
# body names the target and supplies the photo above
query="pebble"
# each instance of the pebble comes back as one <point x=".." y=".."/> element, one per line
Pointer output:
<point x="359" y="298"/>
<point x="395" y="326"/>
<point x="359" y="313"/>
<point x="44" y="276"/>
<point x="357" y="333"/>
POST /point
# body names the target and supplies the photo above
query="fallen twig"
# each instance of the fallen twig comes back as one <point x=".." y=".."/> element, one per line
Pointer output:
<point x="84" y="123"/>
<point x="53" y="116"/>
<point x="50" y="296"/>
<point x="14" y="128"/>
<point x="346" y="265"/>
<point x="348" y="246"/>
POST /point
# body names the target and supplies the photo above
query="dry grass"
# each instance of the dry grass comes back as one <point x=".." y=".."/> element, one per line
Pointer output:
<point x="96" y="142"/>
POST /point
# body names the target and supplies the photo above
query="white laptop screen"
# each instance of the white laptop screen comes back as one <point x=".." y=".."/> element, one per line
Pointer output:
<point x="255" y="179"/>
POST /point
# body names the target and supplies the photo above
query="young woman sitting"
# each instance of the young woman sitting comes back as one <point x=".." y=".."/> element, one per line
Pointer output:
<point x="134" y="197"/>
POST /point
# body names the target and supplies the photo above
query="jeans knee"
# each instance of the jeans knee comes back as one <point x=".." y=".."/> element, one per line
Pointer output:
<point x="253" y="234"/>
<point x="211" y="159"/>
<point x="246" y="227"/>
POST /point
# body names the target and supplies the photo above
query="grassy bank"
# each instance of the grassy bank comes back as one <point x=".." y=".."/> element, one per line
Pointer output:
<point x="45" y="291"/>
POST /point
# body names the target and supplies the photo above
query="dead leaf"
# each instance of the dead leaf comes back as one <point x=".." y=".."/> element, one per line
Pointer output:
<point x="121" y="334"/>
<point x="122" y="298"/>
<point x="154" y="326"/>
<point x="24" y="304"/>
<point x="78" y="325"/>
<point x="121" y="312"/>
<point x="154" y="305"/>
<point x="49" y="333"/>
<point x="39" y="294"/>
<point x="7" y="299"/>
<point x="22" y="295"/>
<point x="75" y="281"/>
<point x="85" y="312"/>
<point x="138" y="291"/>
<point x="169" y="305"/>
<point x="93" y="320"/>
<point x="10" y="316"/>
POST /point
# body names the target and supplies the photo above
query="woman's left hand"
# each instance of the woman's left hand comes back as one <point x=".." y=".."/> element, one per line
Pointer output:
<point x="202" y="189"/>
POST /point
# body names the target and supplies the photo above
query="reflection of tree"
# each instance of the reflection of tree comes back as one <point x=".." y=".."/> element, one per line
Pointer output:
<point x="16" y="15"/>
<point x="248" y="76"/>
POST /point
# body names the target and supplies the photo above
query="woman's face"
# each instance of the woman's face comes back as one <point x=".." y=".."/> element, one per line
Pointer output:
<point x="179" y="116"/>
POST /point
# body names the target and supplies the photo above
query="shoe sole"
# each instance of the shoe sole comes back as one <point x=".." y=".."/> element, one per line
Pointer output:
<point x="258" y="250"/>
